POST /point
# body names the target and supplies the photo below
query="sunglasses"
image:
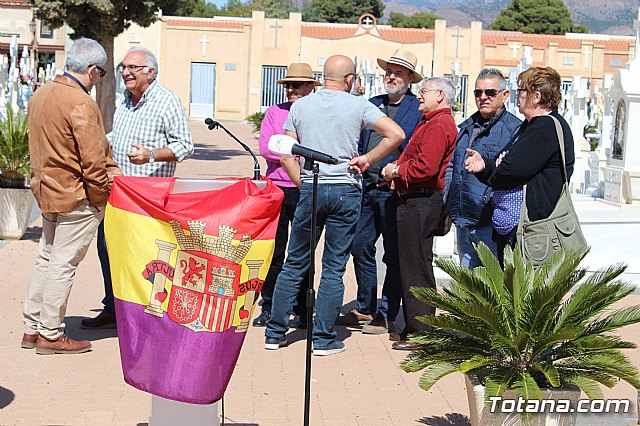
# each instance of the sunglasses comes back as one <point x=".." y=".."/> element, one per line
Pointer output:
<point x="489" y="92"/>
<point x="101" y="70"/>
<point x="294" y="86"/>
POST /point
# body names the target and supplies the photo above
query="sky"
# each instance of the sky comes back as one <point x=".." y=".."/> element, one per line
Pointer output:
<point x="218" y="2"/>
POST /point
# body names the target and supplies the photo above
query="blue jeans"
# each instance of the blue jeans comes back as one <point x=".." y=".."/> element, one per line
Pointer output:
<point x="378" y="217"/>
<point x="289" y="203"/>
<point x="103" y="255"/>
<point x="337" y="213"/>
<point x="467" y="236"/>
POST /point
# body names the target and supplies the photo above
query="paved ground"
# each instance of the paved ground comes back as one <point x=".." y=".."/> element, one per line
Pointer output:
<point x="362" y="386"/>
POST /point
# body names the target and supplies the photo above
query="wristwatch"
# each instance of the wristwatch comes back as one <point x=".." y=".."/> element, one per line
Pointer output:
<point x="151" y="158"/>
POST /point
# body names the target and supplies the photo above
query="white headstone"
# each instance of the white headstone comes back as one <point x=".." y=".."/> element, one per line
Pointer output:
<point x="622" y="173"/>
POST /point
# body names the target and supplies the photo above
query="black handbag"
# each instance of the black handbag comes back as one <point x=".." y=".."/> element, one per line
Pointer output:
<point x="561" y="231"/>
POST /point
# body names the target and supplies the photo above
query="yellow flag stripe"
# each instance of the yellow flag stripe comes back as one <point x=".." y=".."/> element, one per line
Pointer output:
<point x="132" y="242"/>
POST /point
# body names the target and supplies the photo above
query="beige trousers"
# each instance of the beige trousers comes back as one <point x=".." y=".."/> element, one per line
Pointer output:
<point x="63" y="244"/>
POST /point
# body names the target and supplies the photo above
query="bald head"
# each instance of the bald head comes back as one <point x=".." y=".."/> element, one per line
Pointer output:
<point x="338" y="73"/>
<point x="338" y="66"/>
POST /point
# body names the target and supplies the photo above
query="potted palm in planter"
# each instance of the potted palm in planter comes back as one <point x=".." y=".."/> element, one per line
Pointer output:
<point x="16" y="199"/>
<point x="521" y="333"/>
<point x="256" y="120"/>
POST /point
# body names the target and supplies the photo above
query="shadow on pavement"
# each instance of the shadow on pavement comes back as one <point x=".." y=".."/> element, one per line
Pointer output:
<point x="230" y="422"/>
<point x="342" y="334"/>
<point x="208" y="153"/>
<point x="33" y="233"/>
<point x="449" y="419"/>
<point x="6" y="397"/>
<point x="77" y="333"/>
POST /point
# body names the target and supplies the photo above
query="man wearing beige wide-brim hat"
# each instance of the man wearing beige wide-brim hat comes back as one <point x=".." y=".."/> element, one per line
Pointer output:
<point x="299" y="72"/>
<point x="403" y="58"/>
<point x="298" y="83"/>
<point x="377" y="216"/>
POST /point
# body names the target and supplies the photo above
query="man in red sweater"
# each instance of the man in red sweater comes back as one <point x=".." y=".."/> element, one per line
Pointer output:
<point x="418" y="177"/>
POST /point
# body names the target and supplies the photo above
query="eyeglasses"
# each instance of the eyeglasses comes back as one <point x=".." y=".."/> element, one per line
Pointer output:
<point x="489" y="92"/>
<point x="424" y="91"/>
<point x="294" y="86"/>
<point x="519" y="91"/>
<point x="101" y="70"/>
<point x="132" y="68"/>
<point x="347" y="75"/>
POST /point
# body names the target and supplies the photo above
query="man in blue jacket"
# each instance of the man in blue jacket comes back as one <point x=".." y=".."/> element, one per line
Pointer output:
<point x="379" y="205"/>
<point x="487" y="131"/>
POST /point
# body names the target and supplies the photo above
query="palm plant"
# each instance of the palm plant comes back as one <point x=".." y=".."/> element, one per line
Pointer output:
<point x="14" y="149"/>
<point x="522" y="329"/>
<point x="256" y="120"/>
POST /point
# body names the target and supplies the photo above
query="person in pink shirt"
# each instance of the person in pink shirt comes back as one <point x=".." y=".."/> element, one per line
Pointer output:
<point x="298" y="82"/>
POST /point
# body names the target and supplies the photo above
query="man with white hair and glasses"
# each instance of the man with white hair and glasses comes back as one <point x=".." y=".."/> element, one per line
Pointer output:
<point x="71" y="174"/>
<point x="418" y="178"/>
<point x="150" y="135"/>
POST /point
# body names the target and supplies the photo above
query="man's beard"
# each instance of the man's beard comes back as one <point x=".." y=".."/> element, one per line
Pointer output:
<point x="400" y="89"/>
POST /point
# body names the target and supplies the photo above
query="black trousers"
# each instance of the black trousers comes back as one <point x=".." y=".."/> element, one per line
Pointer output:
<point x="289" y="203"/>
<point x="417" y="218"/>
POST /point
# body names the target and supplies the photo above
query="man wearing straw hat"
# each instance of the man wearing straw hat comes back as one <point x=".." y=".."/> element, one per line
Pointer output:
<point x="378" y="212"/>
<point x="298" y="82"/>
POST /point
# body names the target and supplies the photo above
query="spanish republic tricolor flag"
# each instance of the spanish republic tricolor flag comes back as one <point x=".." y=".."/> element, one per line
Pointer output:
<point x="187" y="269"/>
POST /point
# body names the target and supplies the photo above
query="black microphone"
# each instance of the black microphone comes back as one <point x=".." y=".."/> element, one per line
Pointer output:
<point x="216" y="125"/>
<point x="312" y="154"/>
<point x="284" y="145"/>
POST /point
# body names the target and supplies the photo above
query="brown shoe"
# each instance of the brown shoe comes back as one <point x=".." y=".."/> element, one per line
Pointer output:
<point x="394" y="337"/>
<point x="379" y="326"/>
<point x="102" y="321"/>
<point x="63" y="345"/>
<point x="405" y="345"/>
<point x="354" y="318"/>
<point x="29" y="341"/>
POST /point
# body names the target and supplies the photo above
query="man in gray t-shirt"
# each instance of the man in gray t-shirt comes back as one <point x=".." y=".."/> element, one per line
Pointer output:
<point x="329" y="121"/>
<point x="315" y="124"/>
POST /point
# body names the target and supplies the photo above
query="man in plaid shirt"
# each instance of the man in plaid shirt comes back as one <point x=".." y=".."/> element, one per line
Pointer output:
<point x="150" y="135"/>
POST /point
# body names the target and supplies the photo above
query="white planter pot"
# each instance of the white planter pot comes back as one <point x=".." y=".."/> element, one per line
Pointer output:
<point x="15" y="210"/>
<point x="481" y="415"/>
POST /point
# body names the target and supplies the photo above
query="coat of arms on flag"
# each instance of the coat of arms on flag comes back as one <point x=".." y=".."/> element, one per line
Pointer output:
<point x="187" y="269"/>
<point x="206" y="279"/>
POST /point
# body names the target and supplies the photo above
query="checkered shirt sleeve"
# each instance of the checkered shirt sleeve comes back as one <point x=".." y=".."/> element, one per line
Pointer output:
<point x="157" y="121"/>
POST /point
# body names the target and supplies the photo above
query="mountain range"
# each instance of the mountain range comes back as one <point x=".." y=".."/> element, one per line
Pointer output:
<point x="600" y="16"/>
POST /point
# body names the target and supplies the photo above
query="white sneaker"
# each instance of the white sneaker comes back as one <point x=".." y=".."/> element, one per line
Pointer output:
<point x="332" y="348"/>
<point x="272" y="343"/>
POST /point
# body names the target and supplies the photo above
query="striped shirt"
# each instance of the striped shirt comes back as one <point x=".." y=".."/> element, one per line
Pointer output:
<point x="157" y="121"/>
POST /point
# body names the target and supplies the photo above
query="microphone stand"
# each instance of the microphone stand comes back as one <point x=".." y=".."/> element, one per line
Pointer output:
<point x="217" y="125"/>
<point x="310" y="164"/>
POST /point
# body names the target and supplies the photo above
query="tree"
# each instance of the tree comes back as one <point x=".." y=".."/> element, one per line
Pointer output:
<point x="537" y="17"/>
<point x="102" y="20"/>
<point x="418" y="20"/>
<point x="272" y="8"/>
<point x="341" y="11"/>
<point x="197" y="8"/>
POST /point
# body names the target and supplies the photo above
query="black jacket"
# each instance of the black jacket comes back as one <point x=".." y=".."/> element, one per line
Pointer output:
<point x="534" y="159"/>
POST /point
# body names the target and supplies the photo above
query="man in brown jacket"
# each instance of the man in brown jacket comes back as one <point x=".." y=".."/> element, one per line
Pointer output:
<point x="71" y="172"/>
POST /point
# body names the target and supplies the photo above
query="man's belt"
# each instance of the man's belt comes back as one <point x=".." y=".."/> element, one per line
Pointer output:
<point x="371" y="186"/>
<point x="425" y="192"/>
